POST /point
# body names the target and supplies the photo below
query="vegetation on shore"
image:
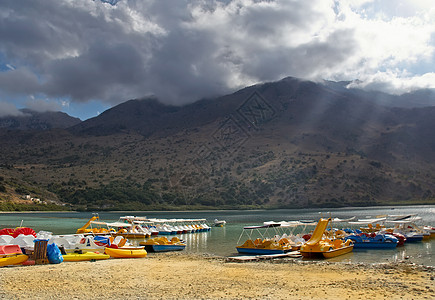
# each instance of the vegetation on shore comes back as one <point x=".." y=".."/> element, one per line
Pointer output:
<point x="13" y="206"/>
<point x="258" y="180"/>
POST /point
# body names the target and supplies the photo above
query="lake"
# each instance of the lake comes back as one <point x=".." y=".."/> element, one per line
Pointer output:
<point x="223" y="240"/>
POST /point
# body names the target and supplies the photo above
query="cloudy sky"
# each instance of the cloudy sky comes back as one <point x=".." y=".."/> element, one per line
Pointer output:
<point x="84" y="56"/>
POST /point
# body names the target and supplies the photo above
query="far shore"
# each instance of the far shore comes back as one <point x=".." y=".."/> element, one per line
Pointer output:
<point x="192" y="276"/>
<point x="390" y="207"/>
<point x="38" y="212"/>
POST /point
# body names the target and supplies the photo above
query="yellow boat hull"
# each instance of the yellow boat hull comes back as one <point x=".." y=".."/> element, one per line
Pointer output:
<point x="13" y="260"/>
<point x="87" y="256"/>
<point x="126" y="253"/>
<point x="327" y="254"/>
<point x="133" y="235"/>
<point x="338" y="252"/>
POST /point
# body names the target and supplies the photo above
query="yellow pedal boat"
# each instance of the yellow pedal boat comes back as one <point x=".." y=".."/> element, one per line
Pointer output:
<point x="13" y="260"/>
<point x="318" y="246"/>
<point x="85" y="256"/>
<point x="126" y="253"/>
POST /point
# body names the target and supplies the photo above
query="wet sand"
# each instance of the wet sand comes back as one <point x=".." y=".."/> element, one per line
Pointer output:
<point x="187" y="276"/>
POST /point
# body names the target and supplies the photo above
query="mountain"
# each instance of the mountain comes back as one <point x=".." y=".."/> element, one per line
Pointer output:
<point x="149" y="116"/>
<point x="33" y="120"/>
<point x="291" y="143"/>
<point x="417" y="98"/>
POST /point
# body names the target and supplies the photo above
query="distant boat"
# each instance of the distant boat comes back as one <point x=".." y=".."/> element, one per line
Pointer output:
<point x="218" y="223"/>
<point x="406" y="226"/>
<point x="379" y="224"/>
<point x="307" y="221"/>
<point x="338" y="220"/>
<point x="94" y="227"/>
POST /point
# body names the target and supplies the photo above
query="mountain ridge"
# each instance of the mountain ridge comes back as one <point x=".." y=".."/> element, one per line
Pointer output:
<point x="33" y="120"/>
<point x="290" y="143"/>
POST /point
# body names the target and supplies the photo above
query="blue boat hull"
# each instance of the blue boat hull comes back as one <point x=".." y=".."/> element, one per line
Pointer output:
<point x="259" y="251"/>
<point x="414" y="239"/>
<point x="164" y="248"/>
<point x="165" y="233"/>
<point x="374" y="245"/>
<point x="379" y="241"/>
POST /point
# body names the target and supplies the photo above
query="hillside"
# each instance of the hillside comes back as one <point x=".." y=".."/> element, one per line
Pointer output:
<point x="33" y="120"/>
<point x="290" y="143"/>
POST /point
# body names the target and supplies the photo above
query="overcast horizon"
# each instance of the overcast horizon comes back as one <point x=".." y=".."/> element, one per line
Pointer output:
<point x="83" y="57"/>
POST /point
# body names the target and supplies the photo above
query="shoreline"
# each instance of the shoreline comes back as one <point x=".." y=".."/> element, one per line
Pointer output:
<point x="388" y="206"/>
<point x="38" y="211"/>
<point x="193" y="276"/>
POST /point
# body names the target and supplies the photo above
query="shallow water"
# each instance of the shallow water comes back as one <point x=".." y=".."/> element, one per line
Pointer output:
<point x="223" y="240"/>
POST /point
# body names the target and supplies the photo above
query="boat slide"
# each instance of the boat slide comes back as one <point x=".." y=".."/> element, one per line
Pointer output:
<point x="318" y="232"/>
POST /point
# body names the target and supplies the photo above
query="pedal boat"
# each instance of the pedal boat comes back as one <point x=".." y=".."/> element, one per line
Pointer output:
<point x="218" y="223"/>
<point x="94" y="227"/>
<point x="162" y="244"/>
<point x="11" y="255"/>
<point x="84" y="256"/>
<point x="263" y="245"/>
<point x="126" y="253"/>
<point x="410" y="229"/>
<point x="318" y="246"/>
<point x="14" y="259"/>
<point x="373" y="241"/>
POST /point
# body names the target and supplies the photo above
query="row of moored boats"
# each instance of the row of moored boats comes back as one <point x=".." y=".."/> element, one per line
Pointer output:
<point x="327" y="240"/>
<point x="97" y="240"/>
<point x="142" y="227"/>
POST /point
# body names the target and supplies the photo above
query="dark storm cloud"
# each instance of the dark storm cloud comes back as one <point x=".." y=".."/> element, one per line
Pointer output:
<point x="323" y="55"/>
<point x="32" y="32"/>
<point x="95" y="73"/>
<point x="185" y="64"/>
<point x="19" y="81"/>
<point x="180" y="51"/>
<point x="93" y="50"/>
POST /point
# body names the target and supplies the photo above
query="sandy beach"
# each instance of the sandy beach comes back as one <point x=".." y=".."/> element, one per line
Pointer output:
<point x="186" y="276"/>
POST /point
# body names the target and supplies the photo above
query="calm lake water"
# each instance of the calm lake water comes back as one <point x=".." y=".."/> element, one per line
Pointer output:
<point x="223" y="240"/>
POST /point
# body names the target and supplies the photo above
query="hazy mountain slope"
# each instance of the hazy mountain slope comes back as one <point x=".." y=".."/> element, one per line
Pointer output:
<point x="418" y="98"/>
<point x="32" y="120"/>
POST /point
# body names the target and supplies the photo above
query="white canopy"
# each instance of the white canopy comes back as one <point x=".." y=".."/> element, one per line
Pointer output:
<point x="369" y="221"/>
<point x="406" y="220"/>
<point x="119" y="224"/>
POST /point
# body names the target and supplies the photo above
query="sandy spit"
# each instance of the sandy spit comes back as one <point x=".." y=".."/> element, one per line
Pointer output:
<point x="187" y="276"/>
